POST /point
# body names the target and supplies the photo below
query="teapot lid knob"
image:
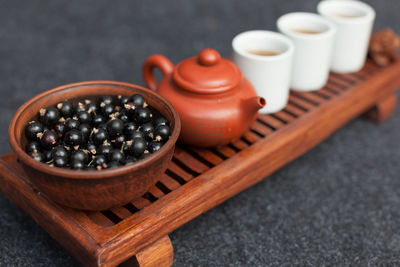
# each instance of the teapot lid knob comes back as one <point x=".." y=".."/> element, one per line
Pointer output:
<point x="209" y="57"/>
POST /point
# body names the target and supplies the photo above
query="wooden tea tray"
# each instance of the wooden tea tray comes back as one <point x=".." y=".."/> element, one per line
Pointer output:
<point x="199" y="179"/>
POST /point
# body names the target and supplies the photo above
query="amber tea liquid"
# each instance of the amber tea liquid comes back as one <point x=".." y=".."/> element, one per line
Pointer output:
<point x="306" y="31"/>
<point x="347" y="16"/>
<point x="263" y="53"/>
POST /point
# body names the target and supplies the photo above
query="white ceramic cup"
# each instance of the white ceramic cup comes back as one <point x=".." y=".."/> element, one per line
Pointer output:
<point x="354" y="21"/>
<point x="270" y="75"/>
<point x="313" y="55"/>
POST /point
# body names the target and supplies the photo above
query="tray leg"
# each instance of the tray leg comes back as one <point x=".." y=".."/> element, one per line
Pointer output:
<point x="382" y="109"/>
<point x="158" y="254"/>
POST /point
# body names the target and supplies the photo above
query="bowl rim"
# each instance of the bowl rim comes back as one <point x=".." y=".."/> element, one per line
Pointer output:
<point x="91" y="174"/>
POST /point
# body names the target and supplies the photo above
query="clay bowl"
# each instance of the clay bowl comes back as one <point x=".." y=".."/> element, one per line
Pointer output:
<point x="93" y="190"/>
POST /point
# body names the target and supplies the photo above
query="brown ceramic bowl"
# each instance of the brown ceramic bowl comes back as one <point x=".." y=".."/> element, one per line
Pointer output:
<point x="93" y="190"/>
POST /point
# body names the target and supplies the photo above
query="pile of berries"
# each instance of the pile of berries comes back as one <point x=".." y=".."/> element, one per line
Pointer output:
<point x="94" y="136"/>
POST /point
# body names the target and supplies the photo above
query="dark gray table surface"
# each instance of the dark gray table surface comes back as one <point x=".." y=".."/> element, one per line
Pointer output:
<point x="336" y="205"/>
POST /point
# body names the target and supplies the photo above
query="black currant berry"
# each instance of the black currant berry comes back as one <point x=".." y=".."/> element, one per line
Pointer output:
<point x="38" y="156"/>
<point x="49" y="116"/>
<point x="129" y="160"/>
<point x="71" y="124"/>
<point x="84" y="117"/>
<point x="32" y="147"/>
<point x="160" y="121"/>
<point x="143" y="115"/>
<point x="116" y="155"/>
<point x="97" y="120"/>
<point x="80" y="155"/>
<point x="48" y="156"/>
<point x="162" y="133"/>
<point x="33" y="129"/>
<point x="60" y="129"/>
<point x="99" y="136"/>
<point x="49" y="139"/>
<point x="115" y="127"/>
<point x="123" y="116"/>
<point x="138" y="100"/>
<point x="80" y="107"/>
<point x="154" y="146"/>
<point x="123" y="100"/>
<point x="104" y="150"/>
<point x="86" y="130"/>
<point x="138" y="146"/>
<point x="118" y="141"/>
<point x="91" y="148"/>
<point x="108" y="100"/>
<point x="130" y="128"/>
<point x="103" y="126"/>
<point x="59" y="151"/>
<point x="73" y="138"/>
<point x="66" y="109"/>
<point x="127" y="147"/>
<point x="130" y="109"/>
<point x="60" y="162"/>
<point x="144" y="155"/>
<point x="100" y="161"/>
<point x="91" y="108"/>
<point x="107" y="110"/>
<point x="113" y="164"/>
<point x="77" y="165"/>
<point x="148" y="131"/>
<point x="136" y="135"/>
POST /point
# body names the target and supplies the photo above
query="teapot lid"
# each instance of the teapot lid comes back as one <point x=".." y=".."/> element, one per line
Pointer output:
<point x="207" y="73"/>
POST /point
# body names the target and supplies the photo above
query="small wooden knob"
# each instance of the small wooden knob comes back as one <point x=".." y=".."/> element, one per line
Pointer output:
<point x="209" y="57"/>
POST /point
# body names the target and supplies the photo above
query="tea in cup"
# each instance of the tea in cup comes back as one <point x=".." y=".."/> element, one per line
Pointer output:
<point x="354" y="21"/>
<point x="265" y="59"/>
<point x="313" y="37"/>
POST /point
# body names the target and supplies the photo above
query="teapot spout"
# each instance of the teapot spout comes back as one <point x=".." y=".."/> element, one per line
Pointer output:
<point x="253" y="104"/>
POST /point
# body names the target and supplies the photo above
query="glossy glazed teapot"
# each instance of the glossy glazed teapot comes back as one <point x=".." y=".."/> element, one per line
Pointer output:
<point x="215" y="102"/>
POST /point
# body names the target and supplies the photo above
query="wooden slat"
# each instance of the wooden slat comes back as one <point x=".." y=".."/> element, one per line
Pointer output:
<point x="226" y="151"/>
<point x="190" y="161"/>
<point x="294" y="109"/>
<point x="300" y="101"/>
<point x="283" y="116"/>
<point x="180" y="172"/>
<point x="269" y="120"/>
<point x="207" y="155"/>
<point x="155" y="191"/>
<point x="121" y="212"/>
<point x="170" y="183"/>
<point x="261" y="128"/>
<point x="340" y="83"/>
<point x="333" y="90"/>
<point x="329" y="92"/>
<point x="251" y="137"/>
<point x="321" y="94"/>
<point x="371" y="67"/>
<point x="98" y="218"/>
<point x="311" y="97"/>
<point x="140" y="203"/>
<point x="361" y="75"/>
<point x="347" y="77"/>
<point x="240" y="144"/>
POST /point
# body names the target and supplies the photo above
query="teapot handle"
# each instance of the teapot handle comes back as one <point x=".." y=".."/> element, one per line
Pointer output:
<point x="159" y="61"/>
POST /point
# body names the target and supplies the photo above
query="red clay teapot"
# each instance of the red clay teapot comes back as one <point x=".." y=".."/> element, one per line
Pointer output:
<point x="215" y="102"/>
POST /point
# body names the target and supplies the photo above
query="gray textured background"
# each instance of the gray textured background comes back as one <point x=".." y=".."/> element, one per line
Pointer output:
<point x="337" y="205"/>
